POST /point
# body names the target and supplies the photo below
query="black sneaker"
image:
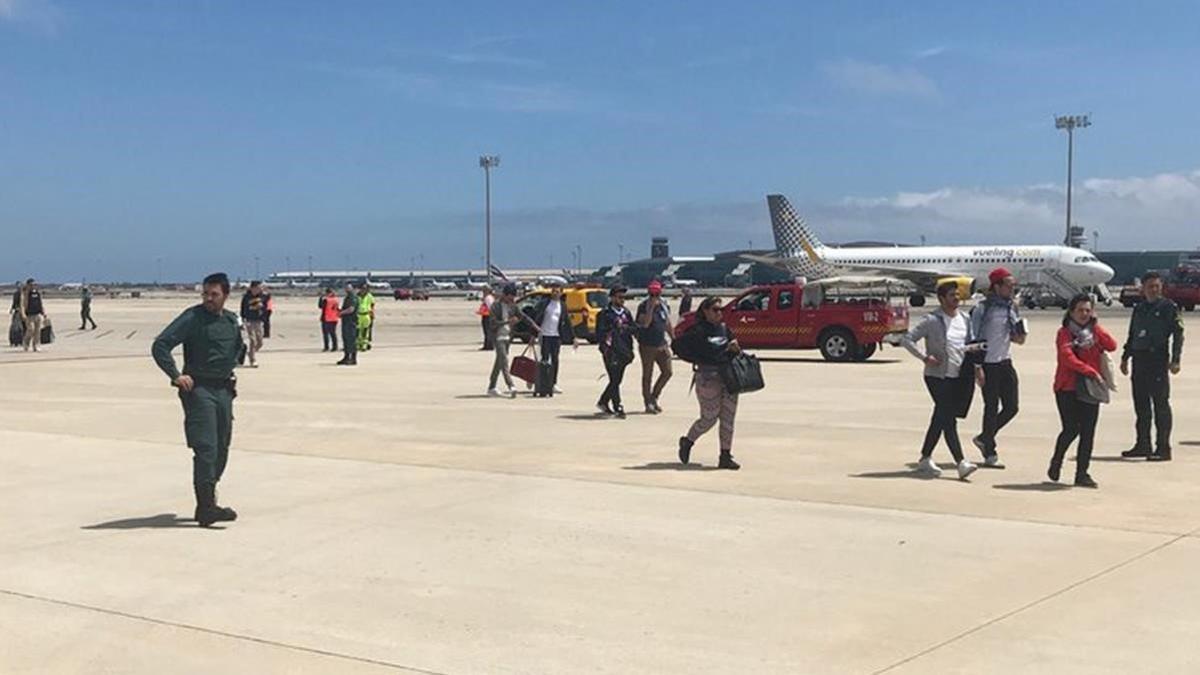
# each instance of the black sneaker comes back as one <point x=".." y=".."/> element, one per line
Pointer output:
<point x="685" y="449"/>
<point x="1085" y="481"/>
<point x="1159" y="457"/>
<point x="726" y="461"/>
<point x="619" y="411"/>
<point x="1136" y="453"/>
<point x="603" y="409"/>
<point x="1054" y="473"/>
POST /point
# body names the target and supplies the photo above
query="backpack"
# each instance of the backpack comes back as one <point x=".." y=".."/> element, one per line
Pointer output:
<point x="685" y="347"/>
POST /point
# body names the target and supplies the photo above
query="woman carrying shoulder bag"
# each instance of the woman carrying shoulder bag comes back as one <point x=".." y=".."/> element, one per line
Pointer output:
<point x="708" y="346"/>
<point x="949" y="376"/>
<point x="1079" y="386"/>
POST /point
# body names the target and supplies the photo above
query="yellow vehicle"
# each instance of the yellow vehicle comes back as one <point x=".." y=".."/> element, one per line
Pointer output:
<point x="583" y="305"/>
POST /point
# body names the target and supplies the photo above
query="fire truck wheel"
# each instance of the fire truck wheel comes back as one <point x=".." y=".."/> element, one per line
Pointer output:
<point x="865" y="351"/>
<point x="838" y="344"/>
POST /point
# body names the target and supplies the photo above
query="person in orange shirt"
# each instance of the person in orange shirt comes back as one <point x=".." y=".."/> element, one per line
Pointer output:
<point x="484" y="311"/>
<point x="330" y="314"/>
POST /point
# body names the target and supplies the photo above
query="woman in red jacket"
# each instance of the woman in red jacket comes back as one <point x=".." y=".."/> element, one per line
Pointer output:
<point x="1081" y="345"/>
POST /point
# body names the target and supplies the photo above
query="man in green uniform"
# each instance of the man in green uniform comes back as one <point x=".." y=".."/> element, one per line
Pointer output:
<point x="1155" y="344"/>
<point x="366" y="317"/>
<point x="211" y="341"/>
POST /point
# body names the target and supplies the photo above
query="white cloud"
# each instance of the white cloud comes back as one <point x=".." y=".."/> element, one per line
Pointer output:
<point x="41" y="15"/>
<point x="878" y="79"/>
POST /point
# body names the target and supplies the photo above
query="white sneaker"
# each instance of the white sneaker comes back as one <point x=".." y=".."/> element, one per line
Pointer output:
<point x="557" y="390"/>
<point x="493" y="393"/>
<point x="993" y="462"/>
<point x="926" y="465"/>
<point x="512" y="392"/>
<point x="965" y="469"/>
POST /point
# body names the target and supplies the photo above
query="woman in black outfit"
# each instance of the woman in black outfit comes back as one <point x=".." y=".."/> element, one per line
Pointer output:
<point x="708" y="345"/>
<point x="614" y="333"/>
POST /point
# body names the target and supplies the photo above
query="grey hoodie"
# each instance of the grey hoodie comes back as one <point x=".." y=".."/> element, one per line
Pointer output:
<point x="933" y="329"/>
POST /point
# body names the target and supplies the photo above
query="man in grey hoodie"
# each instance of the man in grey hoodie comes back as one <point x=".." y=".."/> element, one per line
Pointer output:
<point x="949" y="376"/>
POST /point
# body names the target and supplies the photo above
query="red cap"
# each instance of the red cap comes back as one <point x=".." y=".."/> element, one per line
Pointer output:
<point x="655" y="287"/>
<point x="998" y="275"/>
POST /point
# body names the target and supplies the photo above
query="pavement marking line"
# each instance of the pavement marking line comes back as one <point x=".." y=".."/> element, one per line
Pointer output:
<point x="220" y="633"/>
<point x="131" y="335"/>
<point x="1034" y="603"/>
<point x="104" y="334"/>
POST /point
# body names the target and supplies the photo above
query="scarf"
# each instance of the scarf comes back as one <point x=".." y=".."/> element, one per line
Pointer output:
<point x="1083" y="336"/>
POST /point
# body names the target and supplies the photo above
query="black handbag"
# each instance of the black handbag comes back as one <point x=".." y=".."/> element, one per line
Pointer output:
<point x="742" y="374"/>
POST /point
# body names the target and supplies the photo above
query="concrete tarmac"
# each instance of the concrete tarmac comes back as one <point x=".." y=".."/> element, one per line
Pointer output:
<point x="395" y="519"/>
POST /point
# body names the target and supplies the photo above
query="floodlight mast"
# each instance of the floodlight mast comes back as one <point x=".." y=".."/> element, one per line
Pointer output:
<point x="1070" y="123"/>
<point x="487" y="163"/>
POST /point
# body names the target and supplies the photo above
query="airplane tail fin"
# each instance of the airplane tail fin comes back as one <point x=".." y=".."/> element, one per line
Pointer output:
<point x="792" y="235"/>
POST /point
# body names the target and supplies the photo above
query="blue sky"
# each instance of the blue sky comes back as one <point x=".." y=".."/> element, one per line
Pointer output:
<point x="206" y="133"/>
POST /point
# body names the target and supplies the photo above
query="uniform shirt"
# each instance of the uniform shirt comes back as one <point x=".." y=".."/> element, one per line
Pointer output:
<point x="349" y="311"/>
<point x="997" y="333"/>
<point x="328" y="305"/>
<point x="551" y="318"/>
<point x="210" y="344"/>
<point x="654" y="335"/>
<point x="1155" y="329"/>
<point x="956" y="344"/>
<point x="366" y="304"/>
<point x="86" y="299"/>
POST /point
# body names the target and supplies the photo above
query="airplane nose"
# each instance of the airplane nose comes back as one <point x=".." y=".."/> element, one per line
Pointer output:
<point x="1105" y="272"/>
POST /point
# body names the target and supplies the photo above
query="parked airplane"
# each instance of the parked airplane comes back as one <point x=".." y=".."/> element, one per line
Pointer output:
<point x="1063" y="270"/>
<point x="442" y="285"/>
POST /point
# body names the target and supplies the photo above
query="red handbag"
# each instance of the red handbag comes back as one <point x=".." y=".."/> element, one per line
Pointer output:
<point x="524" y="367"/>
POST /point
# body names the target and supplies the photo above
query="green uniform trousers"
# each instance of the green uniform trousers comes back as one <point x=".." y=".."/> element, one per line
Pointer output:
<point x="208" y="424"/>
<point x="364" y="333"/>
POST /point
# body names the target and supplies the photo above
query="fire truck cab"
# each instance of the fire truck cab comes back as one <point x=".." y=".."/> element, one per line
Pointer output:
<point x="844" y="326"/>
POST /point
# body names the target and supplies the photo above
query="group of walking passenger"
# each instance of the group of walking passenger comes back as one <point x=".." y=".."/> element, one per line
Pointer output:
<point x="962" y="351"/>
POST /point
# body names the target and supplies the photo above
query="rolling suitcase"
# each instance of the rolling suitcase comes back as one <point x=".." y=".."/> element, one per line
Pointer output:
<point x="47" y="333"/>
<point x="543" y="386"/>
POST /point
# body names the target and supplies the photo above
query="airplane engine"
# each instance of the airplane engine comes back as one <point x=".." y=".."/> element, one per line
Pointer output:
<point x="966" y="286"/>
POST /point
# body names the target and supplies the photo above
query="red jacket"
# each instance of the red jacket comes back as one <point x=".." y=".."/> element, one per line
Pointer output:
<point x="1086" y="363"/>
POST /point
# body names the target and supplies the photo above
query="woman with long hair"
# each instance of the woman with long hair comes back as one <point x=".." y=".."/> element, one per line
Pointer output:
<point x="1081" y="342"/>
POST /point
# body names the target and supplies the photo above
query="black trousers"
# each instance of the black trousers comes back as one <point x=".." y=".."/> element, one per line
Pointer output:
<point x="350" y="341"/>
<point x="85" y="317"/>
<point x="944" y="422"/>
<point x="551" y="346"/>
<point x="1000" y="401"/>
<point x="616" y="373"/>
<point x="1078" y="421"/>
<point x="1152" y="402"/>
<point x="487" y="336"/>
<point x="329" y="335"/>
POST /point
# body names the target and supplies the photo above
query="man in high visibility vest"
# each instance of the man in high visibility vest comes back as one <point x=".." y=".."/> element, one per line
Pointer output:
<point x="366" y="316"/>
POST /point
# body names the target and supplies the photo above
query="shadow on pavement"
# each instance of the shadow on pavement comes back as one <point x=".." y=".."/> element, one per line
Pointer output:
<point x="810" y="359"/>
<point x="1194" y="444"/>
<point x="162" y="520"/>
<point x="1119" y="459"/>
<point x="906" y="473"/>
<point x="586" y="416"/>
<point x="670" y="466"/>
<point x="1044" y="486"/>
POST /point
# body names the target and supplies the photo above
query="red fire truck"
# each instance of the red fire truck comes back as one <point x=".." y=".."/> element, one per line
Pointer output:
<point x="1183" y="286"/>
<point x="847" y="321"/>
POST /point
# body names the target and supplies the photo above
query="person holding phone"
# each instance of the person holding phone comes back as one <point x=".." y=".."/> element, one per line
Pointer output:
<point x="1081" y="343"/>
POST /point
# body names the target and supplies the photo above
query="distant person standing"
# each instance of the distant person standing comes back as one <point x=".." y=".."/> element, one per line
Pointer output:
<point x="269" y="306"/>
<point x="33" y="315"/>
<point x="997" y="322"/>
<point x="485" y="309"/>
<point x="1081" y="344"/>
<point x="254" y="316"/>
<point x="16" y="327"/>
<point x="554" y="322"/>
<point x="685" y="301"/>
<point x="654" y="326"/>
<point x="366" y="317"/>
<point x="949" y="376"/>
<point x="211" y="341"/>
<point x="328" y="304"/>
<point x="614" y="334"/>
<point x="1155" y="345"/>
<point x="502" y="316"/>
<point x="85" y="309"/>
<point x="349" y="316"/>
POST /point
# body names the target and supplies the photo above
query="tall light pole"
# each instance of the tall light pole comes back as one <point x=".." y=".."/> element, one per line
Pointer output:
<point x="256" y="273"/>
<point x="487" y="163"/>
<point x="1096" y="246"/>
<point x="310" y="266"/>
<point x="1071" y="123"/>
<point x="579" y="257"/>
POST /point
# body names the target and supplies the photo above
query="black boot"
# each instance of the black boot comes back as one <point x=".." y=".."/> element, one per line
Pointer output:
<point x="619" y="411"/>
<point x="207" y="511"/>
<point x="1137" y="451"/>
<point x="726" y="461"/>
<point x="685" y="449"/>
<point x="1085" y="481"/>
<point x="1055" y="471"/>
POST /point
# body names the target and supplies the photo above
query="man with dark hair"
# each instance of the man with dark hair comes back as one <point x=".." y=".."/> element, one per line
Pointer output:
<point x="85" y="309"/>
<point x="1155" y="344"/>
<point x="211" y="341"/>
<point x="554" y="325"/>
<point x="349" y="314"/>
<point x="254" y="315"/>
<point x="330" y="312"/>
<point x="997" y="322"/>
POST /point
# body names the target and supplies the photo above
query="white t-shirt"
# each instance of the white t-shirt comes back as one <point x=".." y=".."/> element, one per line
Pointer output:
<point x="956" y="344"/>
<point x="550" y="320"/>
